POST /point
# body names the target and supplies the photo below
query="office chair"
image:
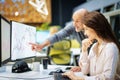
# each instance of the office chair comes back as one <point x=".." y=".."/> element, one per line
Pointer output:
<point x="60" y="53"/>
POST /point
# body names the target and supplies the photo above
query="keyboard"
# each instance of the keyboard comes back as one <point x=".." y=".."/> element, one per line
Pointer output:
<point x="59" y="76"/>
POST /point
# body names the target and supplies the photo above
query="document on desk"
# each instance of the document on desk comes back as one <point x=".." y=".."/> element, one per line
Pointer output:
<point x="27" y="75"/>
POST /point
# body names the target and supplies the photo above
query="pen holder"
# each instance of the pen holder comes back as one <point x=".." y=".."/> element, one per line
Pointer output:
<point x="45" y="63"/>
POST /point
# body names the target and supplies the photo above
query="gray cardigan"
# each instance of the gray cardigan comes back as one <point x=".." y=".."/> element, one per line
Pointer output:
<point x="65" y="32"/>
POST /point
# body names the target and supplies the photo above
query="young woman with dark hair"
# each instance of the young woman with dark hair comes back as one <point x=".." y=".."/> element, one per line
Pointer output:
<point x="101" y="62"/>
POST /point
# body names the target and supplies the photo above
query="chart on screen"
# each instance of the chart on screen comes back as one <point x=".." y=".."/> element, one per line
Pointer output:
<point x="22" y="35"/>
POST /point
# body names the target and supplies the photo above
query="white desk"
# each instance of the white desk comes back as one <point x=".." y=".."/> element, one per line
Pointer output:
<point x="31" y="75"/>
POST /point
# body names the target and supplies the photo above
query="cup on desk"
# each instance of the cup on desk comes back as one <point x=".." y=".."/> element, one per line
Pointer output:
<point x="45" y="63"/>
<point x="36" y="66"/>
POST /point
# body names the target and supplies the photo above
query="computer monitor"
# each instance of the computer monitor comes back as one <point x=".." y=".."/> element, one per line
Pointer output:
<point x="21" y="36"/>
<point x="5" y="40"/>
<point x="41" y="36"/>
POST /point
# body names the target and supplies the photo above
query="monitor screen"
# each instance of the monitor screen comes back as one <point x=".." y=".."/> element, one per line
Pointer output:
<point x="5" y="40"/>
<point x="22" y="35"/>
<point x="41" y="36"/>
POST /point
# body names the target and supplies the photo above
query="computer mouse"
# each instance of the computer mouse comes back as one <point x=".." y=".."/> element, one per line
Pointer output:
<point x="59" y="71"/>
<point x="52" y="72"/>
<point x="68" y="68"/>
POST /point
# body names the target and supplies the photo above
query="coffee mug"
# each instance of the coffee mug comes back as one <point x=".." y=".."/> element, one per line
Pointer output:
<point x="36" y="66"/>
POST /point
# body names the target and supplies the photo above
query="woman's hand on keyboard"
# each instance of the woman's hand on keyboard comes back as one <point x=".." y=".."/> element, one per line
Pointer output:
<point x="75" y="69"/>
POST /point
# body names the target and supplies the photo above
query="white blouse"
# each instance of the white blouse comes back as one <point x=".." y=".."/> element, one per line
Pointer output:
<point x="103" y="66"/>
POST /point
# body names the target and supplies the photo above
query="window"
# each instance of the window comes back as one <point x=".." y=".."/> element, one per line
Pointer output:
<point x="114" y="19"/>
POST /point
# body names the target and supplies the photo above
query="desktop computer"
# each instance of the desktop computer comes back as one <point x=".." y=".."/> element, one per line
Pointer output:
<point x="5" y="40"/>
